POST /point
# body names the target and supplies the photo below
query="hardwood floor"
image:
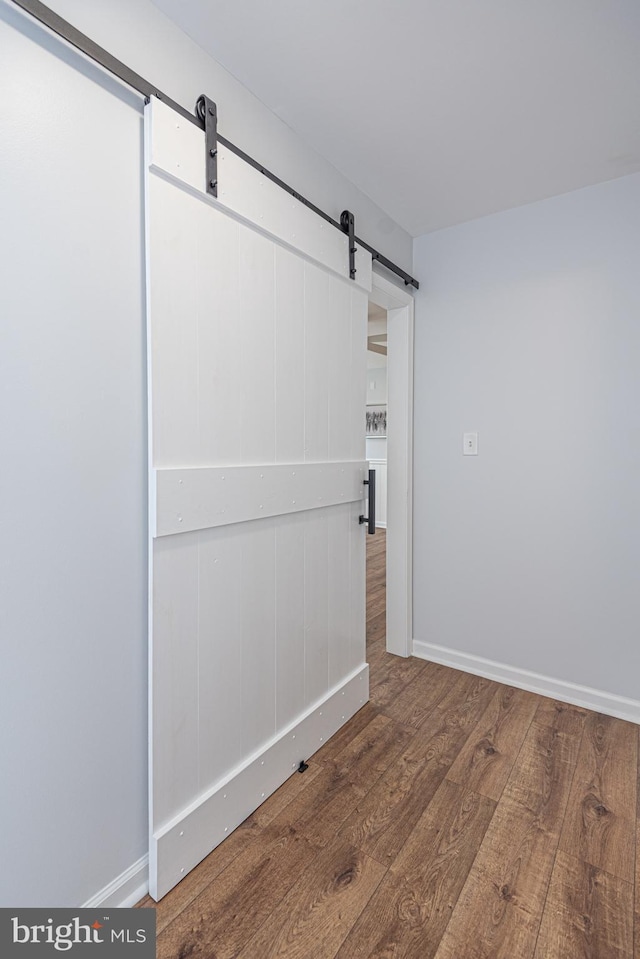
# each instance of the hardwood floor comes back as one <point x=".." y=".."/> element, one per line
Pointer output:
<point x="452" y="818"/>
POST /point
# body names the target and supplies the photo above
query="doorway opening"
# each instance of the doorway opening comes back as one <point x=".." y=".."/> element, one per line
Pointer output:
<point x="389" y="446"/>
<point x="376" y="455"/>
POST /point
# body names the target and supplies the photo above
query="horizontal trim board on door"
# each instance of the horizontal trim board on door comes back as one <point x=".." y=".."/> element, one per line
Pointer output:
<point x="205" y="497"/>
<point x="177" y="148"/>
<point x="595" y="699"/>
<point x="182" y="843"/>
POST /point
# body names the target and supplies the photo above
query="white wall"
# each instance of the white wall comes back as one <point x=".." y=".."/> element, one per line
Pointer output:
<point x="73" y="577"/>
<point x="376" y="380"/>
<point x="376" y="446"/>
<point x="528" y="331"/>
<point x="72" y="430"/>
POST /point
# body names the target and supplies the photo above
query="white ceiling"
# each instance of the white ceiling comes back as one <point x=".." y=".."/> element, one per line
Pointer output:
<point x="441" y="110"/>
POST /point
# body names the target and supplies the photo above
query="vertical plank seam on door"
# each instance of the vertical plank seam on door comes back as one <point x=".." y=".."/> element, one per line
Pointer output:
<point x="274" y="330"/>
<point x="241" y="318"/>
<point x="202" y="271"/>
<point x="333" y="326"/>
<point x="303" y="460"/>
<point x="275" y="356"/>
<point x="359" y="426"/>
<point x="276" y="577"/>
<point x="327" y="525"/>
<point x="198" y="683"/>
<point x="351" y="505"/>
<point x="151" y="519"/>
<point x="350" y="550"/>
<point x="327" y="323"/>
<point x="328" y="345"/>
<point x="240" y="555"/>
<point x="327" y="358"/>
<point x="274" y="585"/>
<point x="305" y="384"/>
<point x="274" y="458"/>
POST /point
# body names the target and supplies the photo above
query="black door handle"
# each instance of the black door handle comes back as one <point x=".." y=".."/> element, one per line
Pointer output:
<point x="371" y="518"/>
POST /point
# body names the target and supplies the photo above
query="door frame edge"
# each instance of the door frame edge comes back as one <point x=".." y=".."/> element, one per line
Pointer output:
<point x="399" y="304"/>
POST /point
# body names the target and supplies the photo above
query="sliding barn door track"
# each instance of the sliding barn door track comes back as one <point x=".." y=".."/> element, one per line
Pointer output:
<point x="205" y="117"/>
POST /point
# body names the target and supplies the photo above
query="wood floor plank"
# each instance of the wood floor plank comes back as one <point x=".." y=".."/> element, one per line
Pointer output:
<point x="367" y="756"/>
<point x="194" y="884"/>
<point x="376" y="585"/>
<point x="313" y="919"/>
<point x="376" y="545"/>
<point x="563" y="717"/>
<point x="601" y="824"/>
<point x="393" y="674"/>
<point x="231" y="910"/>
<point x="384" y="818"/>
<point x="196" y="881"/>
<point x="334" y="798"/>
<point x="447" y="727"/>
<point x="376" y="623"/>
<point x="329" y="751"/>
<point x="409" y="911"/>
<point x="293" y="787"/>
<point x="347" y="779"/>
<point x="500" y="907"/>
<point x="376" y="636"/>
<point x="499" y="910"/>
<point x="542" y="778"/>
<point x="376" y="610"/>
<point x="588" y="913"/>
<point x="376" y="574"/>
<point x="487" y="757"/>
<point x="377" y="657"/>
<point x="420" y="697"/>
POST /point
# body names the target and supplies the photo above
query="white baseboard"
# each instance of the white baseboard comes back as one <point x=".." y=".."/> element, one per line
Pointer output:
<point x="183" y="842"/>
<point x="594" y="699"/>
<point x="126" y="889"/>
<point x="381" y="525"/>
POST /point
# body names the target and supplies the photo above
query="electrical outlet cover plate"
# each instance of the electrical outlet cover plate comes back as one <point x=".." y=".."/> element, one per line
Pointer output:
<point x="470" y="444"/>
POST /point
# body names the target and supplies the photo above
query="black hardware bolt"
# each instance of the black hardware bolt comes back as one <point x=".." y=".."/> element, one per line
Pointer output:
<point x="213" y="184"/>
<point x="213" y="153"/>
<point x="212" y="112"/>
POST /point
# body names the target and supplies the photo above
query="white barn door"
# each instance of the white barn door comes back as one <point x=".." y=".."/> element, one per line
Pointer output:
<point x="257" y="346"/>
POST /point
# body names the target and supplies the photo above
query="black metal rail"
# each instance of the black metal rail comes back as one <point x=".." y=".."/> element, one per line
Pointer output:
<point x="86" y="45"/>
